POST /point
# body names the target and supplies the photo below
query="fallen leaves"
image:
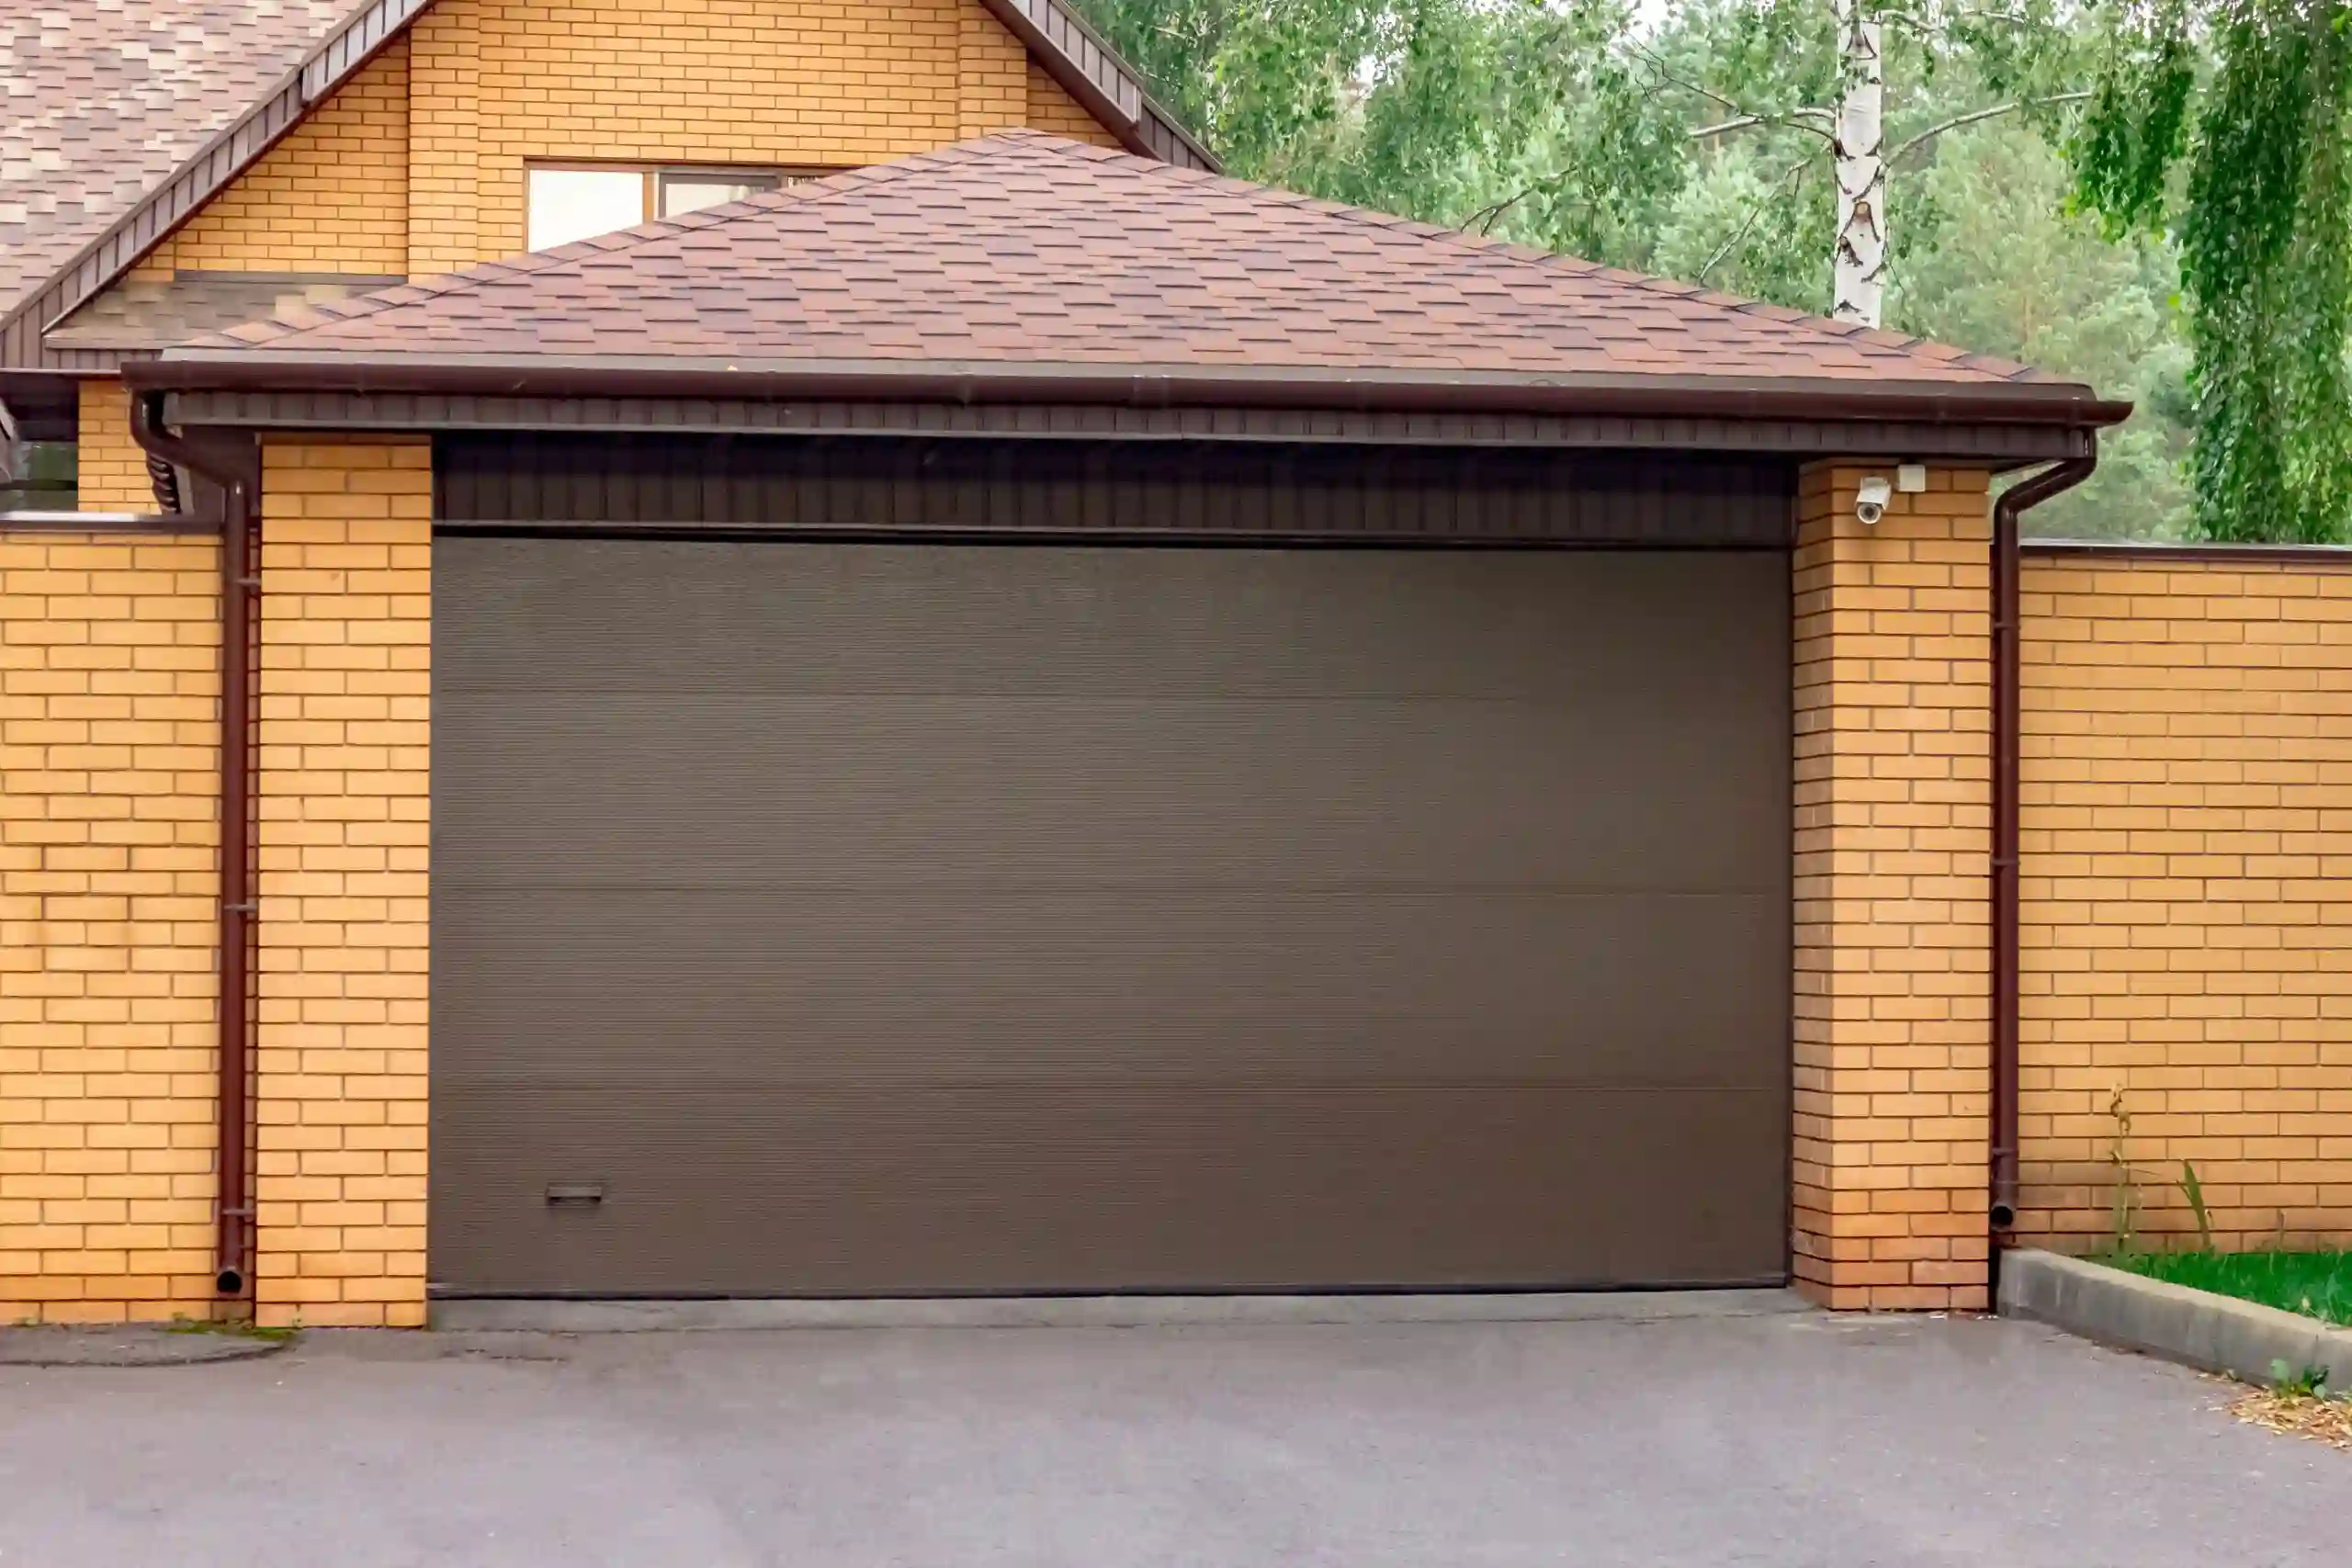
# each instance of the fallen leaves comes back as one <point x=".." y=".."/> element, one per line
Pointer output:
<point x="2325" y="1421"/>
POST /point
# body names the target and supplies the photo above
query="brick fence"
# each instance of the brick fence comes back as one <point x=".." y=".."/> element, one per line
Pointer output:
<point x="109" y="689"/>
<point x="2186" y="911"/>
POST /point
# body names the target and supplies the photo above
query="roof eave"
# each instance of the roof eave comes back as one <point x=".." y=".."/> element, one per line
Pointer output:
<point x="1646" y="396"/>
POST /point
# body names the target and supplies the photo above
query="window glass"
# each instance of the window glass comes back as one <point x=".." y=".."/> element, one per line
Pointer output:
<point x="576" y="203"/>
<point x="692" y="192"/>
<point x="37" y="476"/>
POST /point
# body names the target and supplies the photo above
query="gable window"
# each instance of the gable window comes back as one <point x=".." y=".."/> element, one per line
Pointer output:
<point x="580" y="201"/>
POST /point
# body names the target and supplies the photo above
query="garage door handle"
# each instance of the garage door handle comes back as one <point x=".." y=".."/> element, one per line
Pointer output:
<point x="575" y="1193"/>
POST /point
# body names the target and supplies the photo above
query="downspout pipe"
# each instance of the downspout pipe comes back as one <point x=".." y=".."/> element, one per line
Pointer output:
<point x="233" y="466"/>
<point x="2008" y="675"/>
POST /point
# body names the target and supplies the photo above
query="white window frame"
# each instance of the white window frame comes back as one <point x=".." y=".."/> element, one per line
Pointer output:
<point x="654" y="177"/>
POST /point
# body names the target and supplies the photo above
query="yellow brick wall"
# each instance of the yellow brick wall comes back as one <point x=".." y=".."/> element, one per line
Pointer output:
<point x="992" y="75"/>
<point x="108" y="847"/>
<point x="112" y="467"/>
<point x="344" y="748"/>
<point x="1893" y="1035"/>
<point x="2187" y="884"/>
<point x="416" y="165"/>
<point x="1053" y="110"/>
<point x="332" y="196"/>
<point x="443" y="131"/>
<point x="715" y="81"/>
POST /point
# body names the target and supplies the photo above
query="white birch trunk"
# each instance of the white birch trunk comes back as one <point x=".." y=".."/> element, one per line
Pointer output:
<point x="1860" y="288"/>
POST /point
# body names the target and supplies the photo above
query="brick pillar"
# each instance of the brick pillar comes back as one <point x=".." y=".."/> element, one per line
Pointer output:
<point x="1894" y="840"/>
<point x="345" y="745"/>
<point x="992" y="76"/>
<point x="444" y="139"/>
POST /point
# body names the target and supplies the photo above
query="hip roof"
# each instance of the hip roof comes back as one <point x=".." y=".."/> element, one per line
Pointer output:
<point x="1027" y="258"/>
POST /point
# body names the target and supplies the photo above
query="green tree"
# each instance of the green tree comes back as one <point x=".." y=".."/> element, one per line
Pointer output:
<point x="1996" y="261"/>
<point x="1519" y="115"/>
<point x="1702" y="148"/>
<point x="2248" y="161"/>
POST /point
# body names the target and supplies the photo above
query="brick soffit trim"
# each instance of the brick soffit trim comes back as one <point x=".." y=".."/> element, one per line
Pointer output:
<point x="1070" y="51"/>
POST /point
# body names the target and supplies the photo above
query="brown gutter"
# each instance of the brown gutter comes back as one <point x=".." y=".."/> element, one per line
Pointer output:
<point x="234" y="467"/>
<point x="2007" y="676"/>
<point x="1336" y="389"/>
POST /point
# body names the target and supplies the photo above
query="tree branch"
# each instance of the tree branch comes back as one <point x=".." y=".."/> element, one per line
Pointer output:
<point x="1927" y="24"/>
<point x="1485" y="218"/>
<point x="1742" y="116"/>
<point x="1748" y="224"/>
<point x="1974" y="116"/>
<point x="1723" y="128"/>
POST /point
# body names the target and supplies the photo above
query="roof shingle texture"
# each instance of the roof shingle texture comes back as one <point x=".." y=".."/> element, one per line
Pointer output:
<point x="1027" y="249"/>
<point x="100" y="100"/>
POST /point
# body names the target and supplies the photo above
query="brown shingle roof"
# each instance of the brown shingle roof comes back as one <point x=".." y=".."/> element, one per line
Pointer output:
<point x="143" y="315"/>
<point x="1027" y="250"/>
<point x="101" y="99"/>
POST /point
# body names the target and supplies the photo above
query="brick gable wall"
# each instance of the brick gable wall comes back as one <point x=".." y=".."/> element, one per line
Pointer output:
<point x="332" y="196"/>
<point x="1053" y="110"/>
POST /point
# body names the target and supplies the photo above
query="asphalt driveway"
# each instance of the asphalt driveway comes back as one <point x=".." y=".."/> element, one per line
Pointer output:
<point x="1778" y="1439"/>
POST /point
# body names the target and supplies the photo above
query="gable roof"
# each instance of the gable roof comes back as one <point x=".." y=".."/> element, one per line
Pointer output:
<point x="1024" y="258"/>
<point x="131" y="115"/>
<point x="99" y="104"/>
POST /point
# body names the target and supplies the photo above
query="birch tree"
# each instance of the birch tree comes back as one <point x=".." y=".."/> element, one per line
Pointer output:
<point x="1858" y="257"/>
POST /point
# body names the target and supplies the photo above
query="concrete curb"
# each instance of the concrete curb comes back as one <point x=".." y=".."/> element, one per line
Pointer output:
<point x="2196" y="1328"/>
<point x="1102" y="1312"/>
<point x="129" y="1345"/>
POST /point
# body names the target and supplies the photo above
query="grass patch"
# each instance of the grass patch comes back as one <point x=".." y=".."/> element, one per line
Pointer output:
<point x="236" y="1328"/>
<point x="2316" y="1284"/>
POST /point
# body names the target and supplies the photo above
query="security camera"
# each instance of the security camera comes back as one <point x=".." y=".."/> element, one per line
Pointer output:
<point x="1870" y="501"/>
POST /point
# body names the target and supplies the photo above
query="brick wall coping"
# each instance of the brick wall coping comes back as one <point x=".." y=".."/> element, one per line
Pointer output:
<point x="103" y="523"/>
<point x="2254" y="554"/>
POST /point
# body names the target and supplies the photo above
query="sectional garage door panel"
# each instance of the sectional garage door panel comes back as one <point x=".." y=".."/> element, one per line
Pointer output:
<point x="876" y="917"/>
<point x="729" y="1189"/>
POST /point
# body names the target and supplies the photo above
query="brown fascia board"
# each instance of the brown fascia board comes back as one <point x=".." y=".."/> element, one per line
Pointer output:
<point x="932" y="382"/>
<point x="1090" y="70"/>
<point x="1070" y="51"/>
<point x="196" y="182"/>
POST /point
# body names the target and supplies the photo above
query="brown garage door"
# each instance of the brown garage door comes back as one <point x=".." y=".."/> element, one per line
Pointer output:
<point x="879" y="918"/>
